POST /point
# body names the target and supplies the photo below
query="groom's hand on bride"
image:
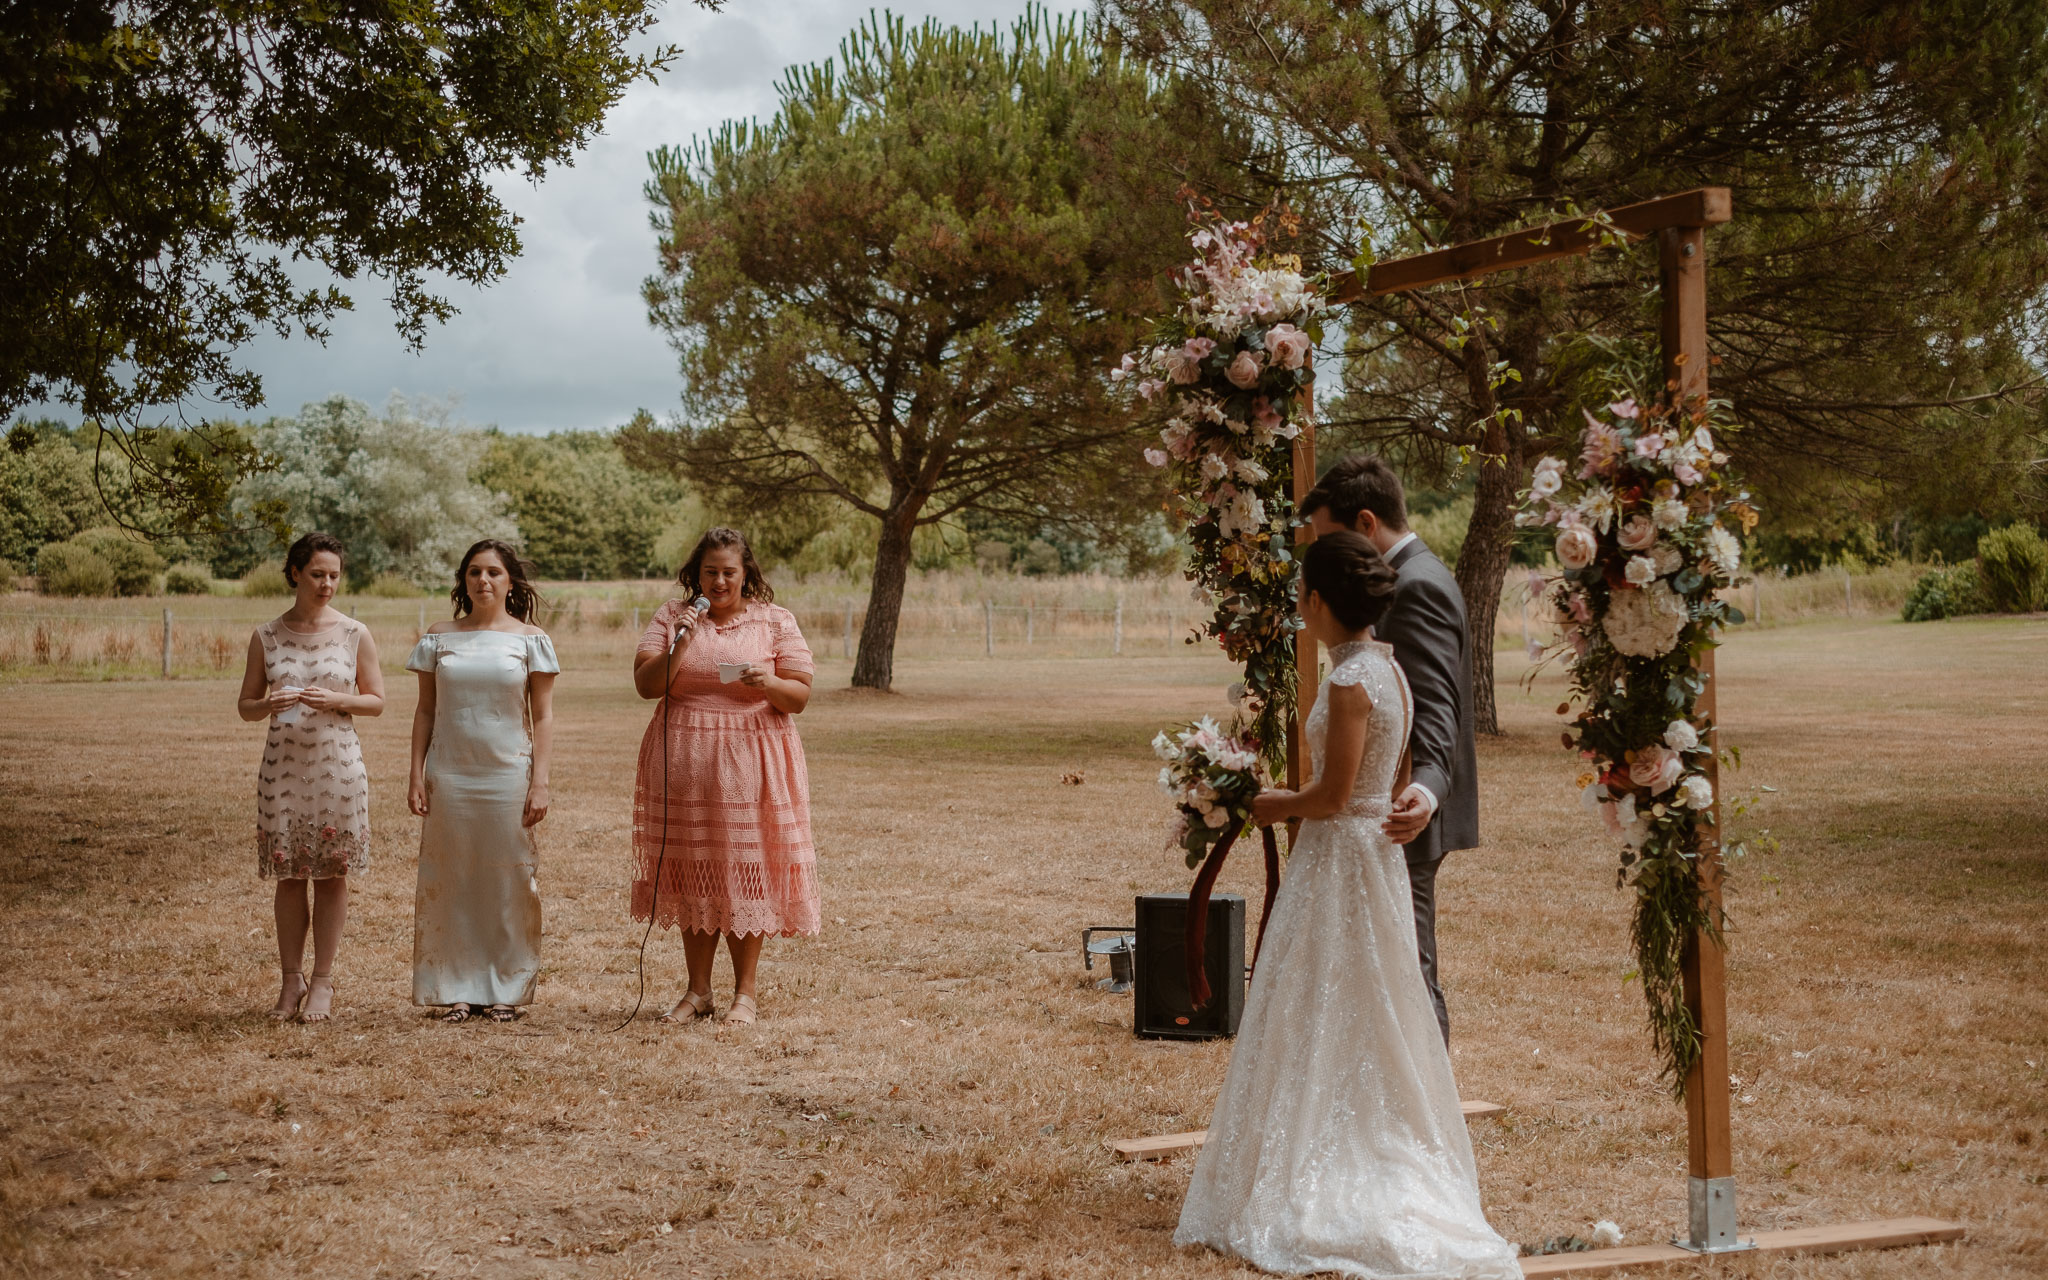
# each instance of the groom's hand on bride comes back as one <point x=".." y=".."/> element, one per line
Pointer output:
<point x="1410" y="817"/>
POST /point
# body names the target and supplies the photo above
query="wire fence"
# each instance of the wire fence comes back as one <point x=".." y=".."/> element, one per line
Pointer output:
<point x="207" y="636"/>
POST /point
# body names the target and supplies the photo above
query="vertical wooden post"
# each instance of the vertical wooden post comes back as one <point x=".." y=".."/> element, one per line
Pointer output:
<point x="1710" y="1153"/>
<point x="1116" y="637"/>
<point x="167" y="644"/>
<point x="1028" y="617"/>
<point x="423" y="620"/>
<point x="846" y="635"/>
<point x="988" y="627"/>
<point x="1302" y="464"/>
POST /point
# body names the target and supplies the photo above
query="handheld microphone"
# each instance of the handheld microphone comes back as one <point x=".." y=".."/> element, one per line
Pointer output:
<point x="702" y="607"/>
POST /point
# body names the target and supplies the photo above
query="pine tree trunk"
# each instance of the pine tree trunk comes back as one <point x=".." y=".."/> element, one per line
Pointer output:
<point x="875" y="666"/>
<point x="1482" y="568"/>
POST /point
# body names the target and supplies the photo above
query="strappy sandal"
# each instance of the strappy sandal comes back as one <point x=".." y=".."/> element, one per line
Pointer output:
<point x="282" y="1014"/>
<point x="307" y="1013"/>
<point x="698" y="1004"/>
<point x="742" y="1012"/>
<point x="456" y="1013"/>
<point x="503" y="1013"/>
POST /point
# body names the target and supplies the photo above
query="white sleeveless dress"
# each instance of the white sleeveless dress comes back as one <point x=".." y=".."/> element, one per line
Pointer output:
<point x="1338" y="1144"/>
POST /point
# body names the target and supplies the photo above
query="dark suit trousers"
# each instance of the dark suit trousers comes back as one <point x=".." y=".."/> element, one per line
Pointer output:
<point x="1422" y="887"/>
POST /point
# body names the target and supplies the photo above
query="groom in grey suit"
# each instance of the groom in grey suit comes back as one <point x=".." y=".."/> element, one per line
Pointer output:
<point x="1439" y="811"/>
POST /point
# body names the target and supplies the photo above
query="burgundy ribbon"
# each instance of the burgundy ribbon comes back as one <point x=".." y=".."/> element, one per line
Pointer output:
<point x="1195" y="930"/>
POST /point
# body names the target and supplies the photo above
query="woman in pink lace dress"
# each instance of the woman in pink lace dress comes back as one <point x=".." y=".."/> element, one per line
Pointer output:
<point x="721" y="807"/>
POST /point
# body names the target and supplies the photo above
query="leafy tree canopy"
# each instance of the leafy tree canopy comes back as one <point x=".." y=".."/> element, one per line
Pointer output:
<point x="161" y="162"/>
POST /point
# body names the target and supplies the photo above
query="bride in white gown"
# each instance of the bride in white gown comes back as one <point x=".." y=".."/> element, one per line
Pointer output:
<point x="1338" y="1143"/>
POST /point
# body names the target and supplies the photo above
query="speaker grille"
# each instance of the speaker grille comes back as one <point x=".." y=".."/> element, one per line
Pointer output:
<point x="1160" y="1005"/>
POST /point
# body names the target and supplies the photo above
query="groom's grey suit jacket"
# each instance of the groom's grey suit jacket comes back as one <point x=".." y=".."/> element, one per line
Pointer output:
<point x="1426" y="625"/>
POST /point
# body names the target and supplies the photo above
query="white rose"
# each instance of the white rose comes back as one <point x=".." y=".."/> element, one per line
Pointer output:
<point x="1645" y="623"/>
<point x="1680" y="735"/>
<point x="1215" y="818"/>
<point x="1696" y="792"/>
<point x="1549" y="478"/>
<point x="1641" y="571"/>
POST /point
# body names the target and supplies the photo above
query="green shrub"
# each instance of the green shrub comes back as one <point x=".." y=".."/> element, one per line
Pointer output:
<point x="1944" y="591"/>
<point x="68" y="569"/>
<point x="391" y="586"/>
<point x="266" y="579"/>
<point x="188" y="579"/>
<point x="2013" y="563"/>
<point x="134" y="564"/>
<point x="1443" y="530"/>
<point x="10" y="574"/>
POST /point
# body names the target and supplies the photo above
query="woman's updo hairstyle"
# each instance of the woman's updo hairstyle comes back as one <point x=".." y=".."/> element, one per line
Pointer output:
<point x="522" y="600"/>
<point x="753" y="587"/>
<point x="303" y="551"/>
<point x="1351" y="576"/>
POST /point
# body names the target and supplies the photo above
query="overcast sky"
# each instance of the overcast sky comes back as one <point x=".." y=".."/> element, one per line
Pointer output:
<point x="562" y="340"/>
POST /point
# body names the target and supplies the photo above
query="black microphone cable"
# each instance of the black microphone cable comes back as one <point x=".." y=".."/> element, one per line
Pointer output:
<point x="700" y="606"/>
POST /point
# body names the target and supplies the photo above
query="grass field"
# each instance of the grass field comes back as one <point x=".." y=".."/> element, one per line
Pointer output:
<point x="933" y="1085"/>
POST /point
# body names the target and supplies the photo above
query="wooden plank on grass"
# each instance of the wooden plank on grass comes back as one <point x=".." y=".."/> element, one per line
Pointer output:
<point x="1161" y="1145"/>
<point x="1841" y="1237"/>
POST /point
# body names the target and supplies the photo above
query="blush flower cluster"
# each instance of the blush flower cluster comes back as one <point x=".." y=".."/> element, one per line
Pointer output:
<point x="1227" y="368"/>
<point x="1646" y="527"/>
<point x="1211" y="778"/>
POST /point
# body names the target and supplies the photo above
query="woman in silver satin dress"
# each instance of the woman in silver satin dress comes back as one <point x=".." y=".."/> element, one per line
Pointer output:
<point x="480" y="743"/>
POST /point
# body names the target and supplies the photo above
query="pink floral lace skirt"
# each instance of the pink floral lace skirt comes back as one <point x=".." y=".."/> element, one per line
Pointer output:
<point x="732" y="834"/>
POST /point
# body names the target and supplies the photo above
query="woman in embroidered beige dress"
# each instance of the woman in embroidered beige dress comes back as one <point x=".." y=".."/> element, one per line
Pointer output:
<point x="722" y="806"/>
<point x="310" y="672"/>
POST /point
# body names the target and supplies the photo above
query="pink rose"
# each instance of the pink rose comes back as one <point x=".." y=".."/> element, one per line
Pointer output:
<point x="1287" y="345"/>
<point x="1576" y="548"/>
<point x="1638" y="534"/>
<point x="1656" y="769"/>
<point x="1244" y="371"/>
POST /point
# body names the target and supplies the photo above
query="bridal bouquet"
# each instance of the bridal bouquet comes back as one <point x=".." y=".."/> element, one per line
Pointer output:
<point x="1211" y="778"/>
<point x="1228" y="365"/>
<point x="1649" y="532"/>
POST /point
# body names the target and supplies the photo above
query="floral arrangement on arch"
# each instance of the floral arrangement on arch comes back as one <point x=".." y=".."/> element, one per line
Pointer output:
<point x="1229" y="364"/>
<point x="1648" y="532"/>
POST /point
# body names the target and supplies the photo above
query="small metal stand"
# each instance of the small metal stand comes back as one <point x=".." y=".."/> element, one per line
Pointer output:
<point x="1121" y="950"/>
<point x="1710" y="1216"/>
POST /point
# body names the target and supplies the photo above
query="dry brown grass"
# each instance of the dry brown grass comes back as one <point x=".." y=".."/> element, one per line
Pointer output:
<point x="933" y="1084"/>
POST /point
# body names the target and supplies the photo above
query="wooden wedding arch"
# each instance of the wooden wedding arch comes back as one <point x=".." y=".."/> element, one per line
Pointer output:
<point x="1679" y="223"/>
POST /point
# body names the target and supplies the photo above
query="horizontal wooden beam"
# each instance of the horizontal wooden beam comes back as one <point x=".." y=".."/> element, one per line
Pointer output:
<point x="1702" y="207"/>
<point x="1161" y="1145"/>
<point x="1841" y="1237"/>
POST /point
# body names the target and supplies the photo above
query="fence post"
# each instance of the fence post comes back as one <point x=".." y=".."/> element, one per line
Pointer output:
<point x="1848" y="591"/>
<point x="1172" y="628"/>
<point x="988" y="627"/>
<point x="167" y="644"/>
<point x="1027" y="625"/>
<point x="1116" y="642"/>
<point x="846" y="644"/>
<point x="636" y="619"/>
<point x="1756" y="598"/>
<point x="423" y="617"/>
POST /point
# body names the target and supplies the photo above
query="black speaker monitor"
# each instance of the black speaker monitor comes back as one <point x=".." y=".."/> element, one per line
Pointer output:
<point x="1161" y="1007"/>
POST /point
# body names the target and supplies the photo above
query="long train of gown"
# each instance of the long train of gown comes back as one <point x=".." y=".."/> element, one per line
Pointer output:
<point x="1338" y="1143"/>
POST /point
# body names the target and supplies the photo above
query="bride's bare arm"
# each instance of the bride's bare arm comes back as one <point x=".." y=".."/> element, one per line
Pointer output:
<point x="1343" y="752"/>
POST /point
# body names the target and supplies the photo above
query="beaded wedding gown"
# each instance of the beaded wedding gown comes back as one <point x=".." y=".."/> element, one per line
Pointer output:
<point x="1338" y="1143"/>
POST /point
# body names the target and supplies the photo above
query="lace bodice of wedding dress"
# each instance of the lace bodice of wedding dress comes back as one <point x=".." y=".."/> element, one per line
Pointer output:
<point x="1337" y="1143"/>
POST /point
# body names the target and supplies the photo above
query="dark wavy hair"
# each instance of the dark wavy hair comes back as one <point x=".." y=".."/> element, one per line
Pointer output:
<point x="303" y="551"/>
<point x="522" y="600"/>
<point x="755" y="587"/>
<point x="1358" y="483"/>
<point x="1351" y="576"/>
